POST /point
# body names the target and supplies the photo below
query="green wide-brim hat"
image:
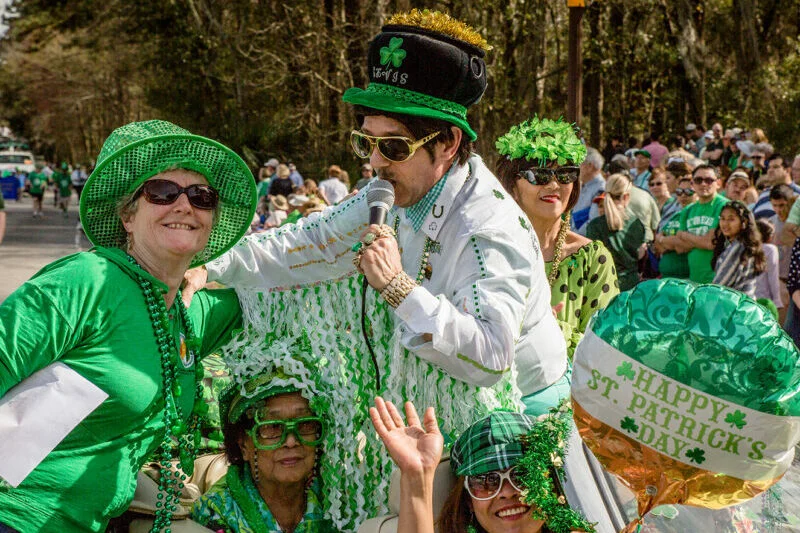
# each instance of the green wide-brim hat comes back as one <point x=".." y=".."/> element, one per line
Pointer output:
<point x="136" y="152"/>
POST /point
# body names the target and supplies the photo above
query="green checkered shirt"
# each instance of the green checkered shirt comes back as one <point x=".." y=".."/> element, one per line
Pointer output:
<point x="417" y="212"/>
<point x="490" y="444"/>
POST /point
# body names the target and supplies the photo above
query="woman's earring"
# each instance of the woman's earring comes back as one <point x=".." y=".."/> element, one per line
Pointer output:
<point x="254" y="468"/>
<point x="471" y="527"/>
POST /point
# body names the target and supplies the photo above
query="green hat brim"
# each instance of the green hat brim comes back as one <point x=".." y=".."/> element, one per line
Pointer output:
<point x="392" y="104"/>
<point x="256" y="390"/>
<point x="113" y="179"/>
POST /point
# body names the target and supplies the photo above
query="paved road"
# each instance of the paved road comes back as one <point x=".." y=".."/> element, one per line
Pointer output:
<point x="31" y="243"/>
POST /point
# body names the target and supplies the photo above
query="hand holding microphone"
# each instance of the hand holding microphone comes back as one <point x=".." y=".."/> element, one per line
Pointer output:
<point x="378" y="256"/>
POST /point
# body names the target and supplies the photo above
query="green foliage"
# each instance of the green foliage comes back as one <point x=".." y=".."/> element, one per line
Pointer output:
<point x="266" y="78"/>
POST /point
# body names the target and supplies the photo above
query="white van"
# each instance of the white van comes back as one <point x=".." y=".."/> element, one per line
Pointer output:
<point x="13" y="159"/>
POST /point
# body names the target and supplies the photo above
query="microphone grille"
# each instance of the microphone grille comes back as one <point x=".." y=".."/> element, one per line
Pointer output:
<point x="380" y="192"/>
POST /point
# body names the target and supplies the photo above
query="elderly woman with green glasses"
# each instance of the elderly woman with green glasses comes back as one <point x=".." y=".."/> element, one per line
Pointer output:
<point x="272" y="440"/>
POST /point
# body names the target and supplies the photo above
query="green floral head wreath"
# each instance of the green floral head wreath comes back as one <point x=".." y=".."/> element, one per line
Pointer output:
<point x="543" y="141"/>
<point x="542" y="466"/>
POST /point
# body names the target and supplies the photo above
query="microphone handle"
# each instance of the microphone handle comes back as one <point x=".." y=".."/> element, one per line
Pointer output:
<point x="377" y="215"/>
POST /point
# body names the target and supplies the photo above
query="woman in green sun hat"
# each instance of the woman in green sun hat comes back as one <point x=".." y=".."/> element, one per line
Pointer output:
<point x="160" y="201"/>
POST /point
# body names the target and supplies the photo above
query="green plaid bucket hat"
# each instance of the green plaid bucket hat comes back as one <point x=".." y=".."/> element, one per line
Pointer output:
<point x="493" y="443"/>
<point x="136" y="152"/>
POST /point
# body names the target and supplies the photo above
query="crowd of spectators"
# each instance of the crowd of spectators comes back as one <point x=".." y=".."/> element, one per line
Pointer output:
<point x="284" y="196"/>
<point x="716" y="206"/>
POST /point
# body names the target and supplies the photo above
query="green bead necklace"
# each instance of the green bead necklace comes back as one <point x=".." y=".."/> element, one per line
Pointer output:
<point x="425" y="270"/>
<point x="176" y="431"/>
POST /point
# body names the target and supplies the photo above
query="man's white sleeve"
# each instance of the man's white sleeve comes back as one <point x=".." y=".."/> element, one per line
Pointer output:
<point x="316" y="248"/>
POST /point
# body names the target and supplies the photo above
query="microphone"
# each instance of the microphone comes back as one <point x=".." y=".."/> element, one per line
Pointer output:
<point x="380" y="199"/>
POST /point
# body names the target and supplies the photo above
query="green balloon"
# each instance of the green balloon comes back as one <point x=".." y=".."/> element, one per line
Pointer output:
<point x="709" y="337"/>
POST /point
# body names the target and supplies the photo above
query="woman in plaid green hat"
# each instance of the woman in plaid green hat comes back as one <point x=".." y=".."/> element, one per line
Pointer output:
<point x="508" y="466"/>
<point x="159" y="201"/>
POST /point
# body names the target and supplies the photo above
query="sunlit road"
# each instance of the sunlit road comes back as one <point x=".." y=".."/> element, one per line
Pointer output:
<point x="31" y="243"/>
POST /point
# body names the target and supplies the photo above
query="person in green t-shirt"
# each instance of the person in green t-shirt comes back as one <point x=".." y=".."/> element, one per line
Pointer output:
<point x="35" y="183"/>
<point x="2" y="218"/>
<point x="114" y="316"/>
<point x="698" y="222"/>
<point x="673" y="264"/>
<point x="63" y="184"/>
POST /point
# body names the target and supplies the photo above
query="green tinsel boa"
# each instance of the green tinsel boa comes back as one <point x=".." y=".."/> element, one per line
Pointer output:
<point x="355" y="467"/>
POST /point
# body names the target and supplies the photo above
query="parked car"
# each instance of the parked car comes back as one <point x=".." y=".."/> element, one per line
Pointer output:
<point x="13" y="159"/>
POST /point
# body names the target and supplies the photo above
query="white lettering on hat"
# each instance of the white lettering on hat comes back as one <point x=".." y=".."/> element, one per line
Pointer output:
<point x="389" y="75"/>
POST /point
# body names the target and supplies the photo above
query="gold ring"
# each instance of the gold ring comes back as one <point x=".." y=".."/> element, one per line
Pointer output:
<point x="369" y="238"/>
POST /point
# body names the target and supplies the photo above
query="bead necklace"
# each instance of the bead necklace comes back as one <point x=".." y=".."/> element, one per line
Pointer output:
<point x="425" y="270"/>
<point x="560" y="239"/>
<point x="176" y="431"/>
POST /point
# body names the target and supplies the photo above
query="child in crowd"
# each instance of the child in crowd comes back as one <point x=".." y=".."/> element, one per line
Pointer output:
<point x="738" y="257"/>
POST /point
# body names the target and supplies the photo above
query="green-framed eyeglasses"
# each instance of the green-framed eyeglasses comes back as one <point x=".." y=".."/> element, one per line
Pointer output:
<point x="543" y="176"/>
<point x="272" y="434"/>
<point x="396" y="149"/>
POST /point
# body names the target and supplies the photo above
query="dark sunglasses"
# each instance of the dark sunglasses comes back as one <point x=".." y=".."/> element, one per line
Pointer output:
<point x="687" y="191"/>
<point x="656" y="183"/>
<point x="707" y="181"/>
<point x="487" y="486"/>
<point x="394" y="148"/>
<point x="272" y="434"/>
<point x="543" y="176"/>
<point x="165" y="192"/>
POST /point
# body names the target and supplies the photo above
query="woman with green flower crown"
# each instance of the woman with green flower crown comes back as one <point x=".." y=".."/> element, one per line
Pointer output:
<point x="159" y="201"/>
<point x="273" y="440"/>
<point x="539" y="167"/>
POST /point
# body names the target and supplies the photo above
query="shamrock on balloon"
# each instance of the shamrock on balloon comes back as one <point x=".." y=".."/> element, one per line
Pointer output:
<point x="629" y="425"/>
<point x="393" y="53"/>
<point x="626" y="370"/>
<point x="736" y="419"/>
<point x="696" y="455"/>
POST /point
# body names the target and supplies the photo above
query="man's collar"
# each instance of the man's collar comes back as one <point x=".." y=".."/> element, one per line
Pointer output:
<point x="430" y="213"/>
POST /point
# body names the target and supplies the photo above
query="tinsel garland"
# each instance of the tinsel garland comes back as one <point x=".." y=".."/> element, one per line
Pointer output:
<point x="543" y="468"/>
<point x="338" y="379"/>
<point x="440" y="23"/>
<point x="544" y="141"/>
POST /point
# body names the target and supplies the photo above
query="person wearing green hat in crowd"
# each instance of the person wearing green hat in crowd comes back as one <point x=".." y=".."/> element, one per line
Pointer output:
<point x="159" y="201"/>
<point x="63" y="183"/>
<point x="273" y="438"/>
<point x="509" y="470"/>
<point x="641" y="171"/>
<point x="463" y="290"/>
<point x="35" y="184"/>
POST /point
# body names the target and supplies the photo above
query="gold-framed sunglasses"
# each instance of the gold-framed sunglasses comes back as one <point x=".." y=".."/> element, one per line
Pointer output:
<point x="394" y="148"/>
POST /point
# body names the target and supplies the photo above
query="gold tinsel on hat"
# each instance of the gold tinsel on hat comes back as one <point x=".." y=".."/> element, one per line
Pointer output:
<point x="441" y="23"/>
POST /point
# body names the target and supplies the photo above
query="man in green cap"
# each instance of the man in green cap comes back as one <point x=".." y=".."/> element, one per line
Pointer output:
<point x="466" y="289"/>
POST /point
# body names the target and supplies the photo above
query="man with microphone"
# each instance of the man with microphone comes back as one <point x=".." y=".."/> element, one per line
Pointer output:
<point x="456" y="261"/>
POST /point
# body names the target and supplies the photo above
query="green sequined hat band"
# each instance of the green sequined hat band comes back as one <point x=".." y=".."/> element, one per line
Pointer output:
<point x="414" y="97"/>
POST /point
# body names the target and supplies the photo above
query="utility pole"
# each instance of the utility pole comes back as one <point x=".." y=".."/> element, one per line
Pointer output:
<point x="575" y="66"/>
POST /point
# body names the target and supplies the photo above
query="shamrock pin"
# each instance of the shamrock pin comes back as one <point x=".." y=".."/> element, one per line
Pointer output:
<point x="736" y="419"/>
<point x="393" y="53"/>
<point x="629" y="425"/>
<point x="696" y="455"/>
<point x="626" y="370"/>
<point x="498" y="194"/>
<point x="523" y="223"/>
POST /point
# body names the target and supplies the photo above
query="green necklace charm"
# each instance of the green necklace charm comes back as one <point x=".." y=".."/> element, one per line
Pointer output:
<point x="177" y="432"/>
<point x="425" y="270"/>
